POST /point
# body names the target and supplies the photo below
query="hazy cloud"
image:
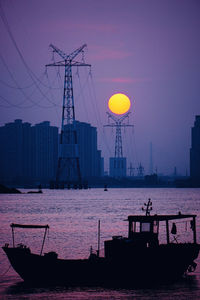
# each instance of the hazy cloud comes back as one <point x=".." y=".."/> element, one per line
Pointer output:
<point x="124" y="80"/>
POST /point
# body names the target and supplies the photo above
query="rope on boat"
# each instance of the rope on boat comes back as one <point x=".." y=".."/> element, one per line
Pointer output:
<point x="6" y="271"/>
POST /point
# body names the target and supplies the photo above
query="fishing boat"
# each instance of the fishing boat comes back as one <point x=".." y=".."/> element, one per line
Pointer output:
<point x="140" y="258"/>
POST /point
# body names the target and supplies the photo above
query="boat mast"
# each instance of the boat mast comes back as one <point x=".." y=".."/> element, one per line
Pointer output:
<point x="148" y="207"/>
<point x="98" y="248"/>
<point x="13" y="237"/>
<point x="193" y="227"/>
<point x="43" y="240"/>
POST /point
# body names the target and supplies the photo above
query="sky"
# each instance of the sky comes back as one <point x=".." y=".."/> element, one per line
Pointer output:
<point x="146" y="49"/>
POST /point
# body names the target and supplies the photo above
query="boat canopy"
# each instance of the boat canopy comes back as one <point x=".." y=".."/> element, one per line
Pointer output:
<point x="28" y="226"/>
<point x="138" y="218"/>
<point x="13" y="225"/>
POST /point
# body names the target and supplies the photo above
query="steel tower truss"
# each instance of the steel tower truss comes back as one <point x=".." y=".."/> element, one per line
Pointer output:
<point x="118" y="124"/>
<point x="68" y="168"/>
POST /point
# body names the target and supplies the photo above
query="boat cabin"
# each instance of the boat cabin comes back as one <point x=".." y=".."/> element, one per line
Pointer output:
<point x="145" y="229"/>
<point x="143" y="232"/>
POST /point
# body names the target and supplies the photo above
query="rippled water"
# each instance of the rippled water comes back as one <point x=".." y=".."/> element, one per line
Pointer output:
<point x="73" y="217"/>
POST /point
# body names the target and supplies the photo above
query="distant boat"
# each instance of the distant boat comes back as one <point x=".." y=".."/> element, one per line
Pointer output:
<point x="139" y="258"/>
<point x="36" y="192"/>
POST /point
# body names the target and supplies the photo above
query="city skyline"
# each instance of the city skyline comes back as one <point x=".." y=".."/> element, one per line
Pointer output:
<point x="148" y="50"/>
<point x="29" y="154"/>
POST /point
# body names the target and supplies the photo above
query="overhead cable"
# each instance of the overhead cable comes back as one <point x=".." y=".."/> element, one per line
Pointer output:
<point x="29" y="71"/>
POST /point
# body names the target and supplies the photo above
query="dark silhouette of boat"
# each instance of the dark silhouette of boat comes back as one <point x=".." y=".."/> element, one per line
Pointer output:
<point x="36" y="192"/>
<point x="137" y="259"/>
<point x="105" y="188"/>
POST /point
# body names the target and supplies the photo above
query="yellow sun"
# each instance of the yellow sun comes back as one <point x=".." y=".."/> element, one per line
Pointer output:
<point x="119" y="104"/>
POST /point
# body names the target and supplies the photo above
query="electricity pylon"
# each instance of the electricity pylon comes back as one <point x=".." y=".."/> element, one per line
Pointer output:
<point x="140" y="170"/>
<point x="151" y="159"/>
<point x="68" y="168"/>
<point x="131" y="170"/>
<point x="118" y="124"/>
<point x="118" y="165"/>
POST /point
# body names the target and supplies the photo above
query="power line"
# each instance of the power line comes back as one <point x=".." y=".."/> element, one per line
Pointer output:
<point x="14" y="87"/>
<point x="48" y="86"/>
<point x="81" y="94"/>
<point x="14" y="105"/>
<point x="27" y="97"/>
<point x="51" y="95"/>
<point x="104" y="137"/>
<point x="29" y="71"/>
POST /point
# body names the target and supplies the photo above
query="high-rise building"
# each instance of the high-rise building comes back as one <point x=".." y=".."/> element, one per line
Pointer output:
<point x="28" y="154"/>
<point x="45" y="154"/>
<point x="195" y="150"/>
<point x="117" y="167"/>
<point x="15" y="152"/>
<point x="89" y="156"/>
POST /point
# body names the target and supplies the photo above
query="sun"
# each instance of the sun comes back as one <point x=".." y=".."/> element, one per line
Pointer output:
<point x="119" y="104"/>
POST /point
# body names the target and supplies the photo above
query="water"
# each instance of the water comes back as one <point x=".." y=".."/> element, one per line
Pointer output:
<point x="73" y="218"/>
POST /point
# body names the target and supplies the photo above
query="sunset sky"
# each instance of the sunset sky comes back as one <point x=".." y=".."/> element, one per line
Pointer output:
<point x="146" y="49"/>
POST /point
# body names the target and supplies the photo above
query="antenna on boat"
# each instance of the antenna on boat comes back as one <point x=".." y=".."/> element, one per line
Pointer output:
<point x="148" y="207"/>
<point x="98" y="248"/>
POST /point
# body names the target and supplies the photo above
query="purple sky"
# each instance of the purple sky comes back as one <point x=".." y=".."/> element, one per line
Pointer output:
<point x="147" y="49"/>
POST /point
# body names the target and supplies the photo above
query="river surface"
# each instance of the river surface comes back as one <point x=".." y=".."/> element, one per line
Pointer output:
<point x="73" y="219"/>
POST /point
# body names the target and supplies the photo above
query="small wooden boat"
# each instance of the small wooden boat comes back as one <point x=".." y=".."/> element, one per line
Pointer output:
<point x="138" y="259"/>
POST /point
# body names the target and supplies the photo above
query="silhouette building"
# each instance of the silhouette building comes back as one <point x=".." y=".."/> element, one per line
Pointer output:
<point x="195" y="151"/>
<point x="91" y="162"/>
<point x="118" y="167"/>
<point x="28" y="154"/>
<point x="45" y="156"/>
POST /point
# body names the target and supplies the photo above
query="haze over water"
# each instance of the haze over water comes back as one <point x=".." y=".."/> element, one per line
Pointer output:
<point x="73" y="217"/>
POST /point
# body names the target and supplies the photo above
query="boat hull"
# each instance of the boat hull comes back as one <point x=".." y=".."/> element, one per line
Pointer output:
<point x="165" y="263"/>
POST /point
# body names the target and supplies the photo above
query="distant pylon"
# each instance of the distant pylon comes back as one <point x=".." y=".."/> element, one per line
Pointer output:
<point x="140" y="170"/>
<point x="118" y="124"/>
<point x="175" y="172"/>
<point x="118" y="164"/>
<point x="68" y="168"/>
<point x="131" y="170"/>
<point x="151" y="159"/>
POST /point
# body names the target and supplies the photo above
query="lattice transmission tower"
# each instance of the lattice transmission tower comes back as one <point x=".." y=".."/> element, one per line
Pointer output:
<point x="118" y="123"/>
<point x="68" y="168"/>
